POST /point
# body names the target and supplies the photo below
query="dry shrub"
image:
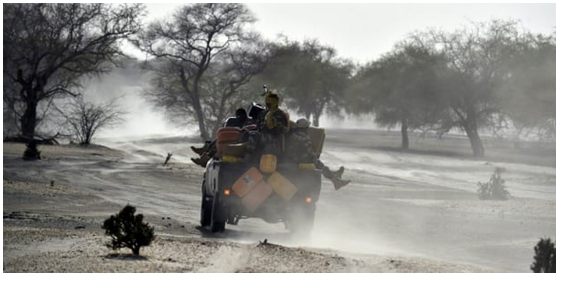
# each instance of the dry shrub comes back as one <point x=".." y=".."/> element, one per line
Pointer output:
<point x="494" y="188"/>
<point x="545" y="257"/>
<point x="128" y="230"/>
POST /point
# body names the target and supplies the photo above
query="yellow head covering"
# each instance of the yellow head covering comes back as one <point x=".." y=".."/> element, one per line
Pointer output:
<point x="272" y="99"/>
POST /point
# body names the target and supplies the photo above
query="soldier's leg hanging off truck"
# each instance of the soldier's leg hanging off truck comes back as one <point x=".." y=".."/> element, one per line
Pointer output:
<point x="334" y="176"/>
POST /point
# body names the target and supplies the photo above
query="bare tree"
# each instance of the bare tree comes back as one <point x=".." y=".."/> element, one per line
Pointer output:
<point x="224" y="84"/>
<point x="206" y="55"/>
<point x="48" y="48"/>
<point x="310" y="75"/>
<point x="477" y="55"/>
<point x="401" y="88"/>
<point x="85" y="119"/>
<point x="529" y="90"/>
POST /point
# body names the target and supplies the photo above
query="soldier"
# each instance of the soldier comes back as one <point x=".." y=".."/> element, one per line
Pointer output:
<point x="274" y="125"/>
<point x="299" y="149"/>
<point x="241" y="120"/>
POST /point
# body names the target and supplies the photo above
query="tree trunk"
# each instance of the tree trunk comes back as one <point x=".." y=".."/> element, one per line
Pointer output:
<point x="404" y="134"/>
<point x="198" y="110"/>
<point x="475" y="140"/>
<point x="316" y="114"/>
<point x="29" y="118"/>
<point x="315" y="120"/>
<point x="221" y="116"/>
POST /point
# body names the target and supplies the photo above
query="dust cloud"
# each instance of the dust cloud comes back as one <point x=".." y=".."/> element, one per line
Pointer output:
<point x="143" y="120"/>
<point x="421" y="203"/>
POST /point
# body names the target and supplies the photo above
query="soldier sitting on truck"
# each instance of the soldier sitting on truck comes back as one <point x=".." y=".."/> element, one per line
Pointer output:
<point x="300" y="149"/>
<point x="275" y="123"/>
<point x="209" y="149"/>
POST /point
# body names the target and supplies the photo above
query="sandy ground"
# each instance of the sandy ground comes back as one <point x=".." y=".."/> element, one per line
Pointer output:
<point x="404" y="212"/>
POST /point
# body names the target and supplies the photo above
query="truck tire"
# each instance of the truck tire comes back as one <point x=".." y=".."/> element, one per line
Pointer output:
<point x="205" y="210"/>
<point x="218" y="220"/>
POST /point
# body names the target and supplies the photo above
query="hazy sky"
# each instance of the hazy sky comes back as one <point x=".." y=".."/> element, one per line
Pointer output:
<point x="362" y="32"/>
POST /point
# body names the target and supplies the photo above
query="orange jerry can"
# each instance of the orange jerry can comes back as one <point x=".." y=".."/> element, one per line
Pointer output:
<point x="268" y="163"/>
<point x="247" y="181"/>
<point x="226" y="136"/>
<point x="257" y="196"/>
<point x="282" y="186"/>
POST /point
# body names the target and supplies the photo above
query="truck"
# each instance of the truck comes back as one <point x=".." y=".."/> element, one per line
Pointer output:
<point x="238" y="185"/>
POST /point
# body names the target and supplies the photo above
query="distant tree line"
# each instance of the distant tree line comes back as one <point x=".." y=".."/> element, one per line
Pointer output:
<point x="485" y="76"/>
<point x="206" y="61"/>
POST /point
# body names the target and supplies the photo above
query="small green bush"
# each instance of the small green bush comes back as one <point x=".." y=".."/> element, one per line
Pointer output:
<point x="494" y="188"/>
<point x="128" y="230"/>
<point x="545" y="257"/>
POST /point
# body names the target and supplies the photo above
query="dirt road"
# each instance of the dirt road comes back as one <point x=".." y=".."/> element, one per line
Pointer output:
<point x="404" y="212"/>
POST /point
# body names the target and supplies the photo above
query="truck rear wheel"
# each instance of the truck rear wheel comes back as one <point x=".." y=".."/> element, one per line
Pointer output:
<point x="218" y="220"/>
<point x="205" y="211"/>
<point x="205" y="208"/>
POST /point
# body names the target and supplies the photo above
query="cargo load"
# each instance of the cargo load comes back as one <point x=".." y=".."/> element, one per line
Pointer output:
<point x="235" y="149"/>
<point x="247" y="181"/>
<point x="317" y="136"/>
<point x="244" y="181"/>
<point x="226" y="136"/>
<point x="268" y="163"/>
<point x="257" y="196"/>
<point x="282" y="186"/>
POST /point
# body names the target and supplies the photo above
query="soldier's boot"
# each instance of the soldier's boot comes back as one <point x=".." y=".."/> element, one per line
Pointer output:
<point x="199" y="150"/>
<point x="201" y="160"/>
<point x="339" y="172"/>
<point x="326" y="172"/>
<point x="339" y="183"/>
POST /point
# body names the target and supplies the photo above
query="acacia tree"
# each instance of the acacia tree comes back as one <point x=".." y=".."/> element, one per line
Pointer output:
<point x="529" y="90"/>
<point x="205" y="54"/>
<point x="477" y="57"/>
<point x="48" y="48"/>
<point x="401" y="88"/>
<point x="225" y="83"/>
<point x="310" y="75"/>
